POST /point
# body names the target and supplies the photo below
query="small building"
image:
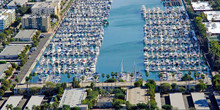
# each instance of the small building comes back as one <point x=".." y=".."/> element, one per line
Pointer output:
<point x="136" y="95"/>
<point x="199" y="100"/>
<point x="14" y="100"/>
<point x="36" y="22"/>
<point x="176" y="100"/>
<point x="12" y="51"/>
<point x="73" y="97"/>
<point x="201" y="6"/>
<point x="34" y="100"/>
<point x="13" y="4"/>
<point x="213" y="28"/>
<point x="212" y="16"/>
<point x="25" y="35"/>
<point x="158" y="100"/>
<point x="3" y="67"/>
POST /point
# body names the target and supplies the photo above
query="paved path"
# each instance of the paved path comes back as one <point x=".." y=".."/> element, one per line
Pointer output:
<point x="118" y="84"/>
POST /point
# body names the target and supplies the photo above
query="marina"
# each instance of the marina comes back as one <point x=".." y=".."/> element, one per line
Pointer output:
<point x="170" y="44"/>
<point x="75" y="46"/>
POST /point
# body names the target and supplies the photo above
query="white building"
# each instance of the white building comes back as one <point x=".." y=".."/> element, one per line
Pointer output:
<point x="212" y="15"/>
<point x="25" y="35"/>
<point x="3" y="67"/>
<point x="176" y="100"/>
<point x="213" y="28"/>
<point x="200" y="101"/>
<point x="14" y="100"/>
<point x="7" y="16"/>
<point x="46" y="8"/>
<point x="12" y="51"/>
<point x="73" y="97"/>
<point x="13" y="4"/>
<point x="34" y="100"/>
<point x="201" y="6"/>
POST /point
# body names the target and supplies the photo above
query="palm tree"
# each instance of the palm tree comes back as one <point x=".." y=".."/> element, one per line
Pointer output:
<point x="103" y="76"/>
<point x="30" y="78"/>
<point x="131" y="76"/>
<point x="195" y="75"/>
<point x="147" y="74"/>
<point x="108" y="76"/>
<point x="82" y="78"/>
<point x="68" y="75"/>
<point x="160" y="76"/>
<point x="173" y="74"/>
<point x="50" y="106"/>
<point x="9" y="106"/>
<point x="116" y="77"/>
<point x="203" y="77"/>
<point x="17" y="81"/>
<point x="27" y="79"/>
<point x="112" y="74"/>
<point x="34" y="107"/>
<point x="95" y="77"/>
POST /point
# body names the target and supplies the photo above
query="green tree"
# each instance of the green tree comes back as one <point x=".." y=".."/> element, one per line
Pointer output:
<point x="108" y="76"/>
<point x="2" y="92"/>
<point x="181" y="89"/>
<point x="68" y="76"/>
<point x="17" y="108"/>
<point x="75" y="83"/>
<point x="167" y="107"/>
<point x="103" y="76"/>
<point x="92" y="85"/>
<point x="27" y="80"/>
<point x="201" y="87"/>
<point x="138" y="83"/>
<point x="173" y="85"/>
<point x="147" y="73"/>
<point x="165" y="87"/>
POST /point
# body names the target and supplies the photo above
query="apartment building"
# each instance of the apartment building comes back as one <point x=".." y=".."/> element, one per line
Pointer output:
<point x="36" y="22"/>
<point x="7" y="16"/>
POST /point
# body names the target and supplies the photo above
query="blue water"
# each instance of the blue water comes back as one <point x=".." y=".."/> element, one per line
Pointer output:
<point x="123" y="38"/>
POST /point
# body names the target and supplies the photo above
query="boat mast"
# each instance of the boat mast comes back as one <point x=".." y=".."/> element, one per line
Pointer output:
<point x="134" y="70"/>
<point x="122" y="66"/>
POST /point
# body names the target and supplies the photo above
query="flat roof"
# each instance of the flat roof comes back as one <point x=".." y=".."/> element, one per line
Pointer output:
<point x="212" y="14"/>
<point x="136" y="95"/>
<point x="217" y="98"/>
<point x="201" y="6"/>
<point x="176" y="100"/>
<point x="3" y="67"/>
<point x="47" y="4"/>
<point x="19" y="2"/>
<point x="34" y="100"/>
<point x="12" y="49"/>
<point x="28" y="33"/>
<point x="158" y="99"/>
<point x="213" y="27"/>
<point x="14" y="100"/>
<point x="200" y="101"/>
<point x="73" y="97"/>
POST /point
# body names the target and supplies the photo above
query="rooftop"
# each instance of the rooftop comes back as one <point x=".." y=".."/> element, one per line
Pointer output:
<point x="14" y="100"/>
<point x="158" y="99"/>
<point x="35" y="100"/>
<point x="47" y="4"/>
<point x="176" y="100"/>
<point x="136" y="95"/>
<point x="12" y="49"/>
<point x="213" y="15"/>
<point x="19" y="2"/>
<point x="3" y="67"/>
<point x="73" y="97"/>
<point x="29" y="33"/>
<point x="200" y="101"/>
<point x="201" y="6"/>
<point x="217" y="98"/>
<point x="213" y="27"/>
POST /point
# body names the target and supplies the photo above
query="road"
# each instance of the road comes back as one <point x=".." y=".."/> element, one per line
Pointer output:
<point x="29" y="65"/>
<point x="33" y="57"/>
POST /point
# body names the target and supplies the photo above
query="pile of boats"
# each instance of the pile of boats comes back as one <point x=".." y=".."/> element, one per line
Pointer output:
<point x="75" y="46"/>
<point x="170" y="44"/>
